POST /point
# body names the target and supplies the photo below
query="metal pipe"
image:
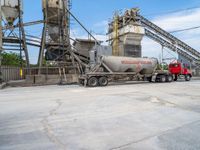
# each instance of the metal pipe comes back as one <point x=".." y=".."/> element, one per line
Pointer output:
<point x="11" y="49"/>
<point x="23" y="24"/>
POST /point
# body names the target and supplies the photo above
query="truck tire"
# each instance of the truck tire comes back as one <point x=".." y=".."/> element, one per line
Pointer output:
<point x="103" y="81"/>
<point x="93" y="82"/>
<point x="163" y="78"/>
<point x="187" y="77"/>
<point x="169" y="78"/>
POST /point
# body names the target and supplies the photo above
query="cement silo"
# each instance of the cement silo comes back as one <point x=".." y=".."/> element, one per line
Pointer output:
<point x="55" y="39"/>
<point x="10" y="10"/>
<point x="13" y="31"/>
<point x="54" y="11"/>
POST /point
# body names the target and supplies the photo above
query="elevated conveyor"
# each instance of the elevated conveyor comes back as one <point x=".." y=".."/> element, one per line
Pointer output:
<point x="168" y="40"/>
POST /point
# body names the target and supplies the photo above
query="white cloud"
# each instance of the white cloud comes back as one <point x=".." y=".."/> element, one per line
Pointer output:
<point x="102" y="38"/>
<point x="103" y="23"/>
<point x="78" y="33"/>
<point x="101" y="27"/>
<point x="177" y="21"/>
<point x="151" y="48"/>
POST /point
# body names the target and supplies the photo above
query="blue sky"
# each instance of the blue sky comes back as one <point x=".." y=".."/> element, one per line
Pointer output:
<point x="94" y="14"/>
<point x="92" y="11"/>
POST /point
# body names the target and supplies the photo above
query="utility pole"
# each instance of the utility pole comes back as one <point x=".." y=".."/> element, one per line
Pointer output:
<point x="162" y="54"/>
<point x="1" y="43"/>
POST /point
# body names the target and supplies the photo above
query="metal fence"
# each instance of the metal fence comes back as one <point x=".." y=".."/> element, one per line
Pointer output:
<point x="50" y="70"/>
<point x="13" y="73"/>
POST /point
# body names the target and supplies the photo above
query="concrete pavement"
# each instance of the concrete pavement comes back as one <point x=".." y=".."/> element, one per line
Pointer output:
<point x="141" y="116"/>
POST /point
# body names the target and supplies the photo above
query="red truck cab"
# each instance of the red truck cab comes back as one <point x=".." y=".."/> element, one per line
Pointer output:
<point x="179" y="71"/>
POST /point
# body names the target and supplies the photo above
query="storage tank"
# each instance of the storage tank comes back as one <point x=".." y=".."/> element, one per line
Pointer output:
<point x="130" y="64"/>
<point x="54" y="6"/>
<point x="10" y="10"/>
<point x="55" y="10"/>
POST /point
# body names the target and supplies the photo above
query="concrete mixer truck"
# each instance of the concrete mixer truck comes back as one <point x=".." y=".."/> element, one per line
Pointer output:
<point x="112" y="68"/>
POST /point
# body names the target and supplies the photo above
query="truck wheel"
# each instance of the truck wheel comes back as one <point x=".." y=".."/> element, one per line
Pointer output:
<point x="187" y="78"/>
<point x="163" y="78"/>
<point x="93" y="82"/>
<point x="103" y="81"/>
<point x="169" y="78"/>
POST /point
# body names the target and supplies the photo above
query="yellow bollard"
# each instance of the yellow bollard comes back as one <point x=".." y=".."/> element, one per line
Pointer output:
<point x="21" y="73"/>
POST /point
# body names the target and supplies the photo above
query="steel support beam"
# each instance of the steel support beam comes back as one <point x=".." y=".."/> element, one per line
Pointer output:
<point x="42" y="47"/>
<point x="43" y="40"/>
<point x="23" y="25"/>
<point x="1" y="42"/>
<point x="22" y="39"/>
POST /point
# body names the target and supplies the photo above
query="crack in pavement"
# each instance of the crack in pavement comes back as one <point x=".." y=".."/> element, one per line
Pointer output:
<point x="151" y="136"/>
<point x="48" y="129"/>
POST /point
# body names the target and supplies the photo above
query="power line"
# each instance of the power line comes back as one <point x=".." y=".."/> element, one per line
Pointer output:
<point x="187" y="29"/>
<point x="170" y="12"/>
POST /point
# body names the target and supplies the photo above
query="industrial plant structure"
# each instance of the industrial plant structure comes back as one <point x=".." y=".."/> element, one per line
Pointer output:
<point x="13" y="34"/>
<point x="125" y="33"/>
<point x="55" y="37"/>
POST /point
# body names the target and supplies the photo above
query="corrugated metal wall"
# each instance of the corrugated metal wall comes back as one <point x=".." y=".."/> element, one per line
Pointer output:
<point x="11" y="73"/>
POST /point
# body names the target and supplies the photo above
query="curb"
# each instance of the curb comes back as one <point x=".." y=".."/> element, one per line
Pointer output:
<point x="3" y="85"/>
